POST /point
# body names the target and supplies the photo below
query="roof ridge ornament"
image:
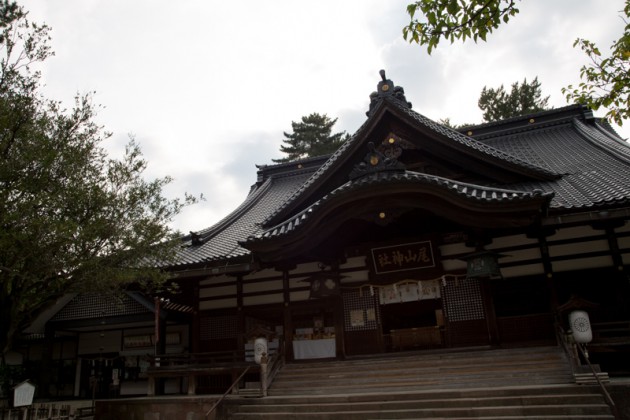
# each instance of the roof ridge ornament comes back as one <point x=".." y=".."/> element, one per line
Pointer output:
<point x="375" y="161"/>
<point x="385" y="89"/>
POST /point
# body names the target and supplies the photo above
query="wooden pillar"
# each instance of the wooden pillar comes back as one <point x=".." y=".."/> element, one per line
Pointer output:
<point x="151" y="386"/>
<point x="337" y="307"/>
<point x="548" y="269"/>
<point x="615" y="252"/>
<point x="195" y="333"/>
<point x="192" y="384"/>
<point x="286" y="314"/>
<point x="621" y="277"/>
<point x="45" y="373"/>
<point x="339" y="327"/>
<point x="491" y="316"/>
<point x="240" y="315"/>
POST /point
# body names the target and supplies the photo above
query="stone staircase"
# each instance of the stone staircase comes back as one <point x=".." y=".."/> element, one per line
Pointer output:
<point x="483" y="384"/>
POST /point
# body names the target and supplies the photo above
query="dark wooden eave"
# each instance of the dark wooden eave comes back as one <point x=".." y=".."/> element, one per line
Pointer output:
<point x="467" y="204"/>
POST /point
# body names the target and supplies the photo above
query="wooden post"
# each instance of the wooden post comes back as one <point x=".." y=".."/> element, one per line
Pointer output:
<point x="264" y="360"/>
<point x="151" y="386"/>
<point x="286" y="316"/>
<point x="491" y="316"/>
<point x="192" y="384"/>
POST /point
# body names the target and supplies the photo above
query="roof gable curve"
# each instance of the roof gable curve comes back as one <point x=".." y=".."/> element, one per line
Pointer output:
<point x="437" y="146"/>
<point x="375" y="195"/>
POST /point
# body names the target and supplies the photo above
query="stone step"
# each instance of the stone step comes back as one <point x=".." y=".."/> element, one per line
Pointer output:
<point x="419" y="404"/>
<point x="359" y="413"/>
<point x="401" y="387"/>
<point x="427" y="364"/>
<point x="560" y="402"/>
<point x="395" y="371"/>
<point x="366" y="369"/>
<point x="590" y="379"/>
<point x="491" y="384"/>
<point x="559" y="390"/>
<point x="534" y="366"/>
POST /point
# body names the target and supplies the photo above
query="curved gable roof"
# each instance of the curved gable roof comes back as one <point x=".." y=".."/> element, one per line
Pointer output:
<point x="475" y="205"/>
<point x="448" y="138"/>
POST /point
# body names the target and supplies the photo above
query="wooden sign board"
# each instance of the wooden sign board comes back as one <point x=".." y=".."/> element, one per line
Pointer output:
<point x="23" y="394"/>
<point x="402" y="259"/>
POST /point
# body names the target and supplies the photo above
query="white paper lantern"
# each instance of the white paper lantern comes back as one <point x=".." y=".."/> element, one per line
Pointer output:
<point x="580" y="326"/>
<point x="260" y="348"/>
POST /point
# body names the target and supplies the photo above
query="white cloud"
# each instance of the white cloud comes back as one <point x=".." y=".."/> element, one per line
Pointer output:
<point x="208" y="87"/>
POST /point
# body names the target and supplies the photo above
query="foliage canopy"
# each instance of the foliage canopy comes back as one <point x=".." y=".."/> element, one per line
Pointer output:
<point x="71" y="219"/>
<point x="312" y="136"/>
<point x="605" y="81"/>
<point x="455" y="20"/>
<point x="498" y="104"/>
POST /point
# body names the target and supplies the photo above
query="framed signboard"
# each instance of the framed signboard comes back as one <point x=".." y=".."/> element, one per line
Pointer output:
<point x="402" y="260"/>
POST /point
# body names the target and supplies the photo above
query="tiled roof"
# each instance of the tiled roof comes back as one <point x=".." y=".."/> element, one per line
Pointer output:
<point x="488" y="195"/>
<point x="578" y="163"/>
<point x="221" y="242"/>
<point x="472" y="144"/>
<point x="454" y="137"/>
<point x="595" y="165"/>
<point x="98" y="305"/>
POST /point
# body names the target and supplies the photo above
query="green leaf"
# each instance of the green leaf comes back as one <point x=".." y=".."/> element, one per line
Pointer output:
<point x="453" y="7"/>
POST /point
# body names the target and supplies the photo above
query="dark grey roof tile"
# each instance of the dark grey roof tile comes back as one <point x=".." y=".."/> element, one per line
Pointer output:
<point x="593" y="163"/>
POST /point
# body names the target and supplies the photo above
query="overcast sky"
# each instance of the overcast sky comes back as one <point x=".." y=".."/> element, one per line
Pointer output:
<point x="208" y="87"/>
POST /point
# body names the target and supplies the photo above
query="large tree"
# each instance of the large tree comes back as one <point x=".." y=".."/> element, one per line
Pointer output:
<point x="312" y="136"/>
<point x="498" y="104"/>
<point x="71" y="218"/>
<point x="605" y="82"/>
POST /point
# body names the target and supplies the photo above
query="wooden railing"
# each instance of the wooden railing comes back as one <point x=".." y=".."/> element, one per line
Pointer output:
<point x="269" y="368"/>
<point x="566" y="342"/>
<point x="179" y="359"/>
<point x="193" y="365"/>
<point x="220" y="400"/>
<point x="576" y="355"/>
<point x="607" y="397"/>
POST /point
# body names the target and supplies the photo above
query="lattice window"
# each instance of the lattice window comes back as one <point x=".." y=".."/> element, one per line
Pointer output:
<point x="218" y="327"/>
<point x="462" y="300"/>
<point x="360" y="310"/>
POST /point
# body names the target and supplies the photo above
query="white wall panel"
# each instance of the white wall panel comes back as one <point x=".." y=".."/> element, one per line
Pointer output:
<point x="355" y="262"/>
<point x="582" y="263"/>
<point x="573" y="232"/>
<point x="299" y="296"/>
<point x="507" y="241"/>
<point x="521" y="255"/>
<point x="262" y="299"/>
<point x="217" y="291"/>
<point x="262" y="274"/>
<point x="217" y="304"/>
<point x="455" y="249"/>
<point x="262" y="286"/>
<point x="306" y="268"/>
<point x="523" y="270"/>
<point x="216" y="280"/>
<point x="578" y="248"/>
<point x="355" y="277"/>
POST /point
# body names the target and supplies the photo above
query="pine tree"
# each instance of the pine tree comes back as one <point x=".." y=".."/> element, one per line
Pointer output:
<point x="311" y="137"/>
<point x="525" y="98"/>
